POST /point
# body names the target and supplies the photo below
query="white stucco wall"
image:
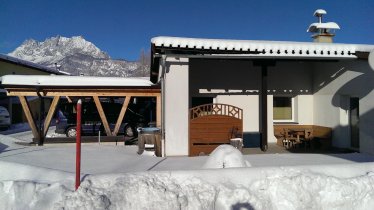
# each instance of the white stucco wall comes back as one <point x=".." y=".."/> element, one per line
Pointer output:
<point x="367" y="123"/>
<point x="304" y="108"/>
<point x="176" y="106"/>
<point x="249" y="104"/>
<point x="335" y="83"/>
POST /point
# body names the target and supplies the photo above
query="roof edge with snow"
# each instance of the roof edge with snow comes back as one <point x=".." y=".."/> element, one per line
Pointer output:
<point x="73" y="81"/>
<point x="251" y="49"/>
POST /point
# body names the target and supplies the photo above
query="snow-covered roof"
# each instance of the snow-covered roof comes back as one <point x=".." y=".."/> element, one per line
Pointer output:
<point x="76" y="81"/>
<point x="263" y="48"/>
<point x="32" y="65"/>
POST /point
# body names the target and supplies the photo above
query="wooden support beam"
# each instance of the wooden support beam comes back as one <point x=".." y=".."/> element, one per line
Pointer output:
<point x="30" y="119"/>
<point x="50" y="114"/>
<point x="102" y="115"/>
<point x="263" y="108"/>
<point x="263" y="102"/>
<point x="69" y="99"/>
<point x="121" y="115"/>
<point x="158" y="111"/>
<point x="81" y="92"/>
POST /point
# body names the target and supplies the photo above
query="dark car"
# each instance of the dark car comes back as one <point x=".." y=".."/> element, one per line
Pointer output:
<point x="136" y="116"/>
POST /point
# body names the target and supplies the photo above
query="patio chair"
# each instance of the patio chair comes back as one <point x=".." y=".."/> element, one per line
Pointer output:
<point x="308" y="137"/>
<point x="290" y="139"/>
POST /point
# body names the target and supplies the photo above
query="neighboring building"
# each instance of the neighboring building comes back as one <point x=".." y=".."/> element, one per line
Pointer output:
<point x="323" y="84"/>
<point x="12" y="65"/>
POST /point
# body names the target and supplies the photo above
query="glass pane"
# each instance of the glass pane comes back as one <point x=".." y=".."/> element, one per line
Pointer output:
<point x="282" y="108"/>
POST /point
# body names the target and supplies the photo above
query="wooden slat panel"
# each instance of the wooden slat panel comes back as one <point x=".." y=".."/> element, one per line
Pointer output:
<point x="212" y="126"/>
<point x="121" y="115"/>
<point x="50" y="114"/>
<point x="209" y="141"/>
<point x="208" y="129"/>
<point x="30" y="119"/>
<point x="102" y="115"/>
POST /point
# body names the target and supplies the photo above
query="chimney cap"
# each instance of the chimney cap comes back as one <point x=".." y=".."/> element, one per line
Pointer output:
<point x="320" y="12"/>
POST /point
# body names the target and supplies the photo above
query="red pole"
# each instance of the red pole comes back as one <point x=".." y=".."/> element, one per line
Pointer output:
<point x="78" y="147"/>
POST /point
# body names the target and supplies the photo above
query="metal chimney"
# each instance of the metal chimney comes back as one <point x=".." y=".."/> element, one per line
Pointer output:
<point x="322" y="32"/>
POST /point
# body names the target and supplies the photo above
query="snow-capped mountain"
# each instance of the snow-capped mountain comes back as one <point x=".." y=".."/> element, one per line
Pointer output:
<point x="77" y="56"/>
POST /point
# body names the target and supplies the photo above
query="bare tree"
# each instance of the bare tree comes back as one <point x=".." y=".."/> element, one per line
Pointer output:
<point x="144" y="63"/>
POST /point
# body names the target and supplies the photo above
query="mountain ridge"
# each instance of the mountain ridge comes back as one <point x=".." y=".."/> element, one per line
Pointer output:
<point x="77" y="56"/>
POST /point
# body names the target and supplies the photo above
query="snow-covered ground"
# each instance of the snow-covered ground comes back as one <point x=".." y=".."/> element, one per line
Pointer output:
<point x="115" y="177"/>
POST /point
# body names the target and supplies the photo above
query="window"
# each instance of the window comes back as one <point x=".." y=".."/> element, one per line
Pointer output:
<point x="283" y="109"/>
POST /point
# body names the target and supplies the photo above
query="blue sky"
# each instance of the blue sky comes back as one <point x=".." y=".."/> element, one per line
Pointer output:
<point x="123" y="28"/>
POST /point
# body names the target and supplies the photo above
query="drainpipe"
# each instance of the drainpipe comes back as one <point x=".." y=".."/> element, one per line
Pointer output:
<point x="41" y="115"/>
<point x="162" y="80"/>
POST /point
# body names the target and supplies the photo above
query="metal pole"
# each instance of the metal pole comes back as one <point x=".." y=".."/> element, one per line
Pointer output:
<point x="99" y="137"/>
<point x="78" y="147"/>
<point x="264" y="113"/>
<point x="41" y="116"/>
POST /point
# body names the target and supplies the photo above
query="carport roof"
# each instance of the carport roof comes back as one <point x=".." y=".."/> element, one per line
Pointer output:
<point x="55" y="85"/>
<point x="73" y="81"/>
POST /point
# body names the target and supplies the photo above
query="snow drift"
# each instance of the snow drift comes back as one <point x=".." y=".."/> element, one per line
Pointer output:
<point x="344" y="186"/>
<point x="226" y="156"/>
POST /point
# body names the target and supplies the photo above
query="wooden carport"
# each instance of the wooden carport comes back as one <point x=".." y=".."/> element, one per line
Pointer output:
<point x="39" y="133"/>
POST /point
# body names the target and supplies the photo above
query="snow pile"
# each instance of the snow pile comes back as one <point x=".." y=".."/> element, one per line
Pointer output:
<point x="28" y="187"/>
<point x="253" y="188"/>
<point x="30" y="195"/>
<point x="226" y="156"/>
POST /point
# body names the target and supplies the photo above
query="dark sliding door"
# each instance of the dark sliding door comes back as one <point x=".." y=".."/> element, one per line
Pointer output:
<point x="354" y="119"/>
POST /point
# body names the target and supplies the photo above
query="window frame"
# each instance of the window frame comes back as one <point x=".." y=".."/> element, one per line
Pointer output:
<point x="293" y="110"/>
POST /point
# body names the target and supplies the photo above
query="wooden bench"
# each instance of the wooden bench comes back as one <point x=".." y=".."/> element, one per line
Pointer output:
<point x="321" y="135"/>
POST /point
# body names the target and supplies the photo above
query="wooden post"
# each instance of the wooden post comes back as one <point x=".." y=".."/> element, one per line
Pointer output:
<point x="30" y="119"/>
<point x="158" y="111"/>
<point x="102" y="115"/>
<point x="263" y="102"/>
<point x="121" y="115"/>
<point x="50" y="114"/>
<point x="41" y="117"/>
